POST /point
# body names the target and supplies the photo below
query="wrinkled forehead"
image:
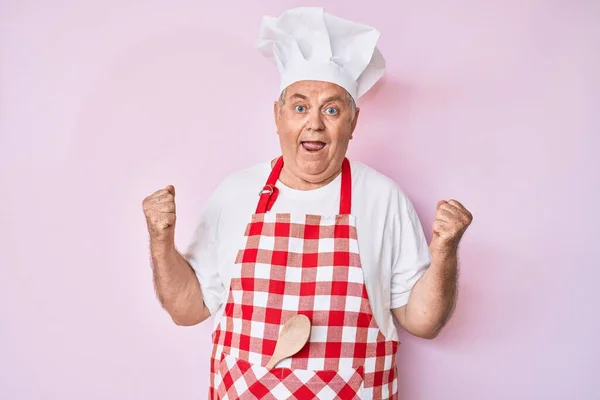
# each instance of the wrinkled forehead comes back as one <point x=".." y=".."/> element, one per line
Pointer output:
<point x="314" y="91"/>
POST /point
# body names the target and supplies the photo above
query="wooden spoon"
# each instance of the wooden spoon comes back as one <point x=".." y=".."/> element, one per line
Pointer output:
<point x="292" y="338"/>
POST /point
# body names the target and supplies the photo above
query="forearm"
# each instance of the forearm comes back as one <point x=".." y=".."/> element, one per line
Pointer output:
<point x="433" y="297"/>
<point x="176" y="286"/>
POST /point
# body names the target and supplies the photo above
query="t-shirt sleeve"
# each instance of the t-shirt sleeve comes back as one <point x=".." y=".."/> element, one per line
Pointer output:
<point x="411" y="252"/>
<point x="202" y="255"/>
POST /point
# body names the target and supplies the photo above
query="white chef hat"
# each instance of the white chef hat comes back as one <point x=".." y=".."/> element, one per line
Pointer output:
<point x="307" y="43"/>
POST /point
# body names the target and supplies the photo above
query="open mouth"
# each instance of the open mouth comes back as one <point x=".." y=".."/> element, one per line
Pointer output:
<point x="313" y="146"/>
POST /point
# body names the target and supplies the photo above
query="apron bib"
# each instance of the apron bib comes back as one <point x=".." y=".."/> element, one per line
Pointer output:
<point x="301" y="264"/>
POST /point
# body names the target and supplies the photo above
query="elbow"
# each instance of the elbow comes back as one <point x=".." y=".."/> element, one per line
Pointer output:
<point x="428" y="334"/>
<point x="424" y="328"/>
<point x="423" y="331"/>
<point x="190" y="319"/>
<point x="425" y="324"/>
<point x="183" y="321"/>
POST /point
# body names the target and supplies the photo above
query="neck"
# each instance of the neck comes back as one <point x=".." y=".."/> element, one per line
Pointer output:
<point x="297" y="183"/>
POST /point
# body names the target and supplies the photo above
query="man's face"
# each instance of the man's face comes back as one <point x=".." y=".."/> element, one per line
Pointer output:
<point x="314" y="122"/>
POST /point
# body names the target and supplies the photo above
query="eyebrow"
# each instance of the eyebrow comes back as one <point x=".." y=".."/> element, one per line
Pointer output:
<point x="299" y="96"/>
<point x="327" y="100"/>
<point x="333" y="98"/>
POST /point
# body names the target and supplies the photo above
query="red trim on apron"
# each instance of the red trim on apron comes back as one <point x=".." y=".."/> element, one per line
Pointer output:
<point x="270" y="192"/>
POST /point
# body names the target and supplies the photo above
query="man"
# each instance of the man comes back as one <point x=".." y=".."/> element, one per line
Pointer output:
<point x="327" y="238"/>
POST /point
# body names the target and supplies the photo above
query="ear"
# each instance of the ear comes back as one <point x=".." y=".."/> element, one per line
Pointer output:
<point x="354" y="122"/>
<point x="276" y="114"/>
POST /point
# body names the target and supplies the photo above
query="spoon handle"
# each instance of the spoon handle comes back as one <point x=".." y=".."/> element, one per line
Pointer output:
<point x="272" y="363"/>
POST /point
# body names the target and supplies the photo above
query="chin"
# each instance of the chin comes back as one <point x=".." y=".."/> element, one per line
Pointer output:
<point x="313" y="169"/>
<point x="311" y="165"/>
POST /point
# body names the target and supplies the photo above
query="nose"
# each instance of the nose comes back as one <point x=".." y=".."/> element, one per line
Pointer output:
<point x="315" y="120"/>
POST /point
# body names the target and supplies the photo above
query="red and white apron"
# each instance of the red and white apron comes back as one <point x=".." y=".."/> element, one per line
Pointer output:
<point x="301" y="264"/>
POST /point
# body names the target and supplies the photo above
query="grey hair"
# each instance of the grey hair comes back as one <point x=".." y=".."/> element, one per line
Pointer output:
<point x="349" y="99"/>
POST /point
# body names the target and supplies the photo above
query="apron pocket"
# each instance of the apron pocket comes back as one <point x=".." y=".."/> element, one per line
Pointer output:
<point x="241" y="380"/>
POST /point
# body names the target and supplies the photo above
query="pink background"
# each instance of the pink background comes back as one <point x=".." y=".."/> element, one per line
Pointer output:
<point x="494" y="103"/>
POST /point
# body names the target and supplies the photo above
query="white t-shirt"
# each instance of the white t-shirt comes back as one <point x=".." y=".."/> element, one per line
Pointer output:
<point x="393" y="248"/>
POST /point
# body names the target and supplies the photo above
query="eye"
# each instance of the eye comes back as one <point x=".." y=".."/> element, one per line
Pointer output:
<point x="300" y="108"/>
<point x="331" y="110"/>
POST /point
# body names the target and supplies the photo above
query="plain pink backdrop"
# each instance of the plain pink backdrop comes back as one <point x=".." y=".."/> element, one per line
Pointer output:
<point x="493" y="103"/>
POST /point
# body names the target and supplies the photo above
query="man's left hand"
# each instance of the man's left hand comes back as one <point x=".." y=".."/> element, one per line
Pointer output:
<point x="451" y="221"/>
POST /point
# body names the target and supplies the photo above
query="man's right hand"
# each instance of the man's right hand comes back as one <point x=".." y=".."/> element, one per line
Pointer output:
<point x="176" y="283"/>
<point x="159" y="209"/>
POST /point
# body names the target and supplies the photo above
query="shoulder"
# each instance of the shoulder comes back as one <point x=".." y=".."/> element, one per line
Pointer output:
<point x="239" y="187"/>
<point x="377" y="193"/>
<point x="250" y="178"/>
<point x="367" y="179"/>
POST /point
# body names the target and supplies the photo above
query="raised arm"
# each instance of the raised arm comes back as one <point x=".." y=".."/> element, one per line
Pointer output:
<point x="433" y="298"/>
<point x="175" y="282"/>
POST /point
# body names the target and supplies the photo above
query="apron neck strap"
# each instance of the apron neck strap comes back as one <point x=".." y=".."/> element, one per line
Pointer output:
<point x="269" y="193"/>
<point x="346" y="189"/>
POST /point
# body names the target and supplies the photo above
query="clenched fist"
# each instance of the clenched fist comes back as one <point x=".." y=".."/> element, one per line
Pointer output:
<point x="159" y="209"/>
<point x="451" y="221"/>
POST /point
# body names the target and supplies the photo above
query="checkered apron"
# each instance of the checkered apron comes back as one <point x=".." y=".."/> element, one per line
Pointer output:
<point x="301" y="264"/>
